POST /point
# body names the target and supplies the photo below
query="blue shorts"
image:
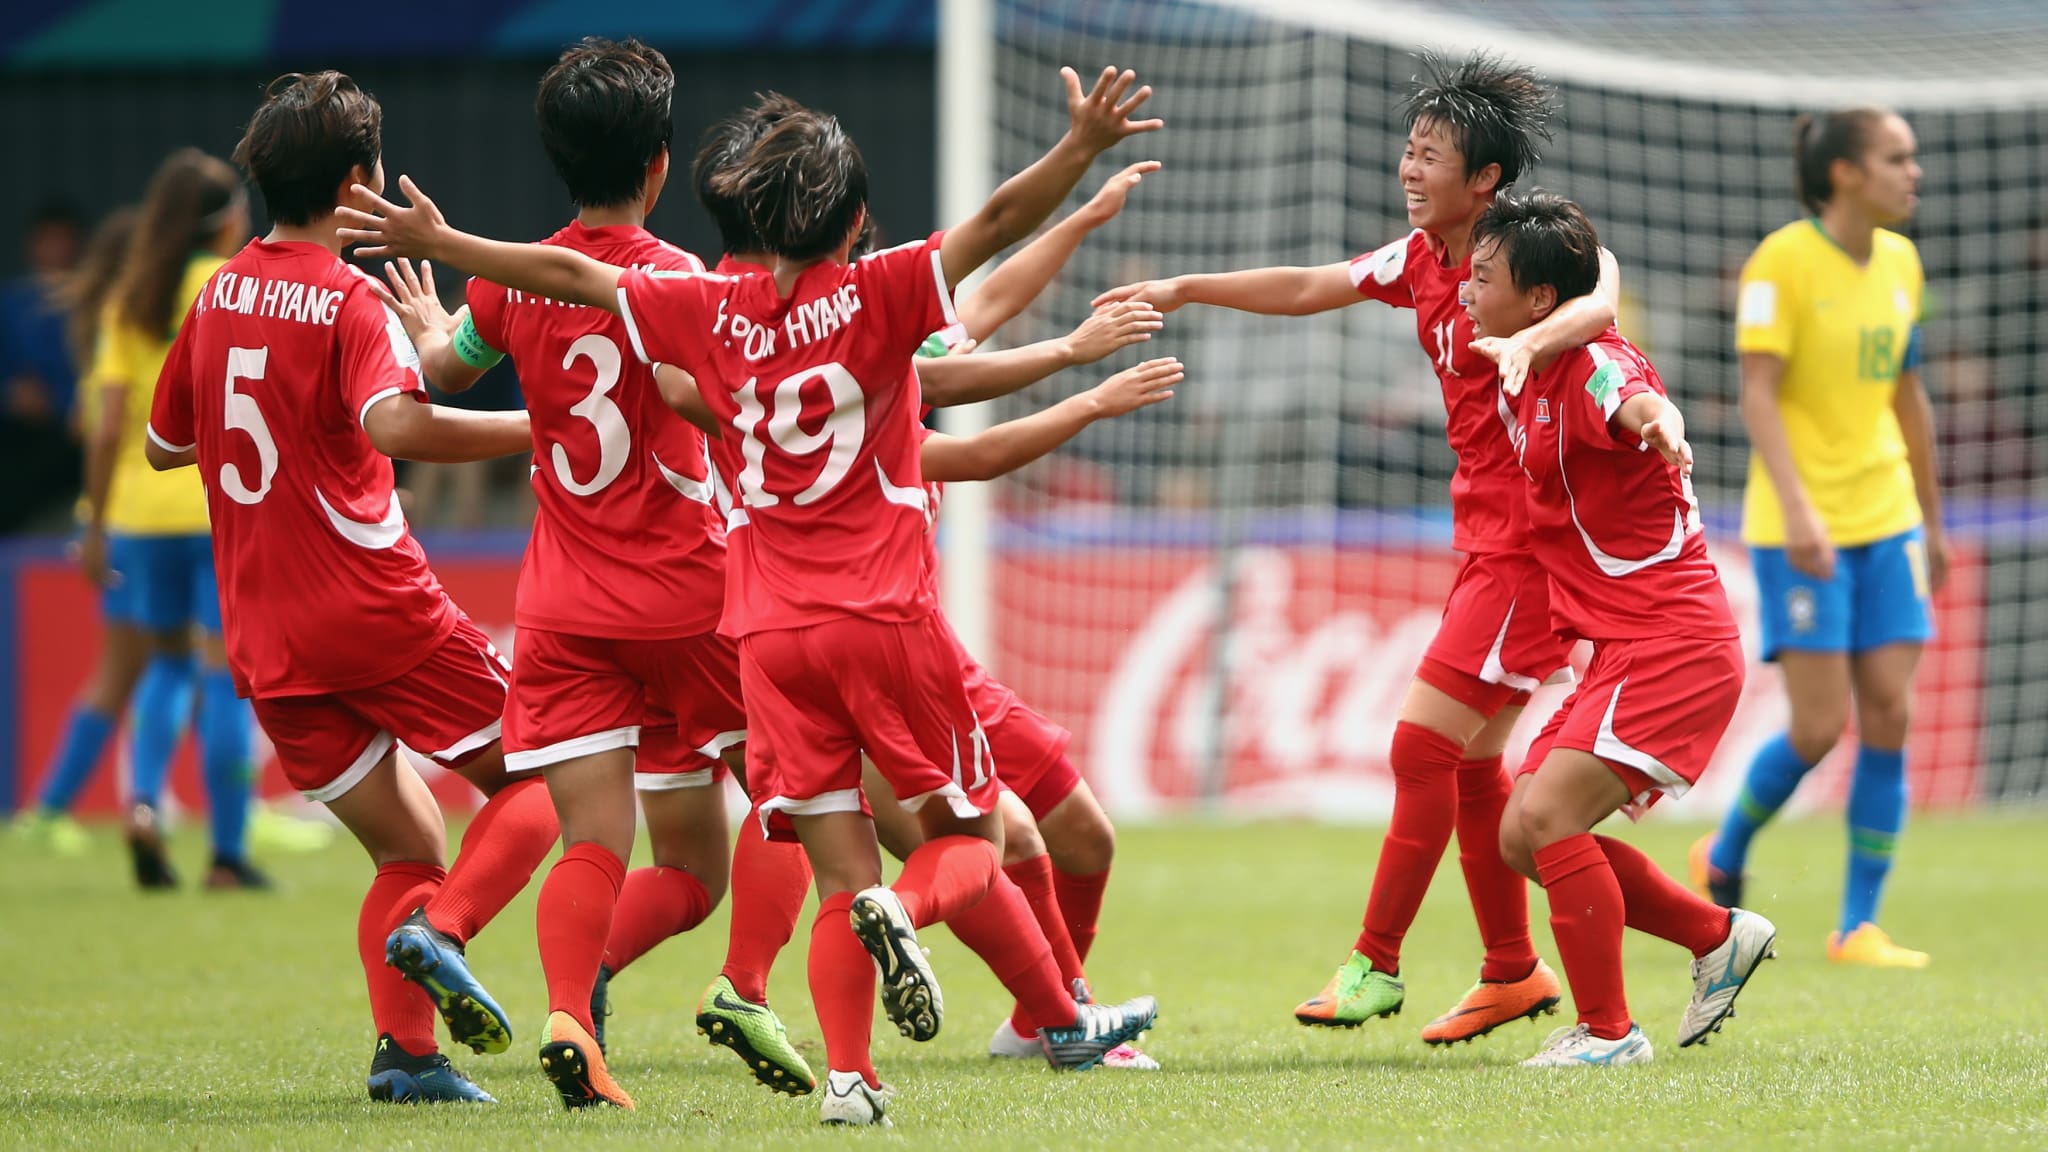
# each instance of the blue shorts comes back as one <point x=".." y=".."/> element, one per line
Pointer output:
<point x="1878" y="597"/>
<point x="166" y="583"/>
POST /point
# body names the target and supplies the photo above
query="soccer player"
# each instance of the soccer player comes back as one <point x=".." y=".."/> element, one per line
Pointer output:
<point x="1843" y="509"/>
<point x="840" y="649"/>
<point x="1613" y="521"/>
<point x="1473" y="129"/>
<point x="291" y="386"/>
<point x="619" y="594"/>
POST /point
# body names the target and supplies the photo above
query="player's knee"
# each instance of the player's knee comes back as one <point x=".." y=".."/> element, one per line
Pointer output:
<point x="1080" y="838"/>
<point x="1021" y="840"/>
<point x="1514" y="846"/>
<point x="1544" y="821"/>
<point x="1813" y="735"/>
<point x="1882" y="722"/>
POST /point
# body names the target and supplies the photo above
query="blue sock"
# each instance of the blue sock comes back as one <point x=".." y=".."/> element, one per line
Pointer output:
<point x="156" y="722"/>
<point x="224" y="738"/>
<point x="1877" y="810"/>
<point x="85" y="738"/>
<point x="1773" y="776"/>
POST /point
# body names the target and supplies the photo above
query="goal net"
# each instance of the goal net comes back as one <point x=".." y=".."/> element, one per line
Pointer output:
<point x="1226" y="596"/>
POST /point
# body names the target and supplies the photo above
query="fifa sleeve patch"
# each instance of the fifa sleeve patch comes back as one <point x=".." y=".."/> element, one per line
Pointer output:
<point x="1758" y="305"/>
<point x="1383" y="266"/>
<point x="1604" y="386"/>
<point x="470" y="346"/>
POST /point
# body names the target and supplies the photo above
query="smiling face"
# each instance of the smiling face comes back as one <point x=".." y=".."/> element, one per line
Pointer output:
<point x="1496" y="306"/>
<point x="1442" y="200"/>
<point x="1886" y="179"/>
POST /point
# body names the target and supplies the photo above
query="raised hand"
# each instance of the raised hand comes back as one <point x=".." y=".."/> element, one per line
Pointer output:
<point x="1163" y="295"/>
<point x="413" y="298"/>
<point x="1113" y="326"/>
<point x="1138" y="387"/>
<point x="1100" y="117"/>
<point x="1109" y="201"/>
<point x="390" y="230"/>
<point x="1512" y="354"/>
<point x="1666" y="435"/>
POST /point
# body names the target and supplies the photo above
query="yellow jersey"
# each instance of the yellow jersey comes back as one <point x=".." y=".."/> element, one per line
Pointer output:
<point x="1845" y="332"/>
<point x="142" y="501"/>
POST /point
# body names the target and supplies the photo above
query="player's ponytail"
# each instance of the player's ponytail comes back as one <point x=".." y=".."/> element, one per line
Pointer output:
<point x="1819" y="141"/>
<point x="191" y="197"/>
<point x="88" y="286"/>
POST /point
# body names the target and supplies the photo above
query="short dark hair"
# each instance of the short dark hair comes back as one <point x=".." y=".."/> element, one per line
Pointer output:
<point x="309" y="132"/>
<point x="1819" y="141"/>
<point x="803" y="184"/>
<point x="725" y="146"/>
<point x="1494" y="111"/>
<point x="1546" y="238"/>
<point x="606" y="109"/>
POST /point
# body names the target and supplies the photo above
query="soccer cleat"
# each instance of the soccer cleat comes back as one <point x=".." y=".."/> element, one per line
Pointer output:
<point x="1009" y="1044"/>
<point x="1709" y="881"/>
<point x="1127" y="1058"/>
<point x="752" y="1030"/>
<point x="146" y="848"/>
<point x="1357" y="993"/>
<point x="228" y="875"/>
<point x="399" y="1077"/>
<point x="1097" y="1030"/>
<point x="1577" y="1047"/>
<point x="850" y="1099"/>
<point x="55" y="832"/>
<point x="1490" y="1004"/>
<point x="1869" y="946"/>
<point x="601" y="1005"/>
<point x="1719" y="976"/>
<point x="274" y="831"/>
<point x="910" y="992"/>
<point x="573" y="1063"/>
<point x="433" y="960"/>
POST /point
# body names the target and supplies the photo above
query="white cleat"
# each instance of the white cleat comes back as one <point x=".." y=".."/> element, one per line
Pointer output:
<point x="1719" y="976"/>
<point x="1577" y="1047"/>
<point x="910" y="992"/>
<point x="850" y="1099"/>
<point x="1009" y="1044"/>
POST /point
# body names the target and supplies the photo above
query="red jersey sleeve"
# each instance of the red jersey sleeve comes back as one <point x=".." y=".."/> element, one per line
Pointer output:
<point x="486" y="310"/>
<point x="670" y="315"/>
<point x="1608" y="377"/>
<point x="377" y="358"/>
<point x="1382" y="274"/>
<point x="170" y="411"/>
<point x="906" y="285"/>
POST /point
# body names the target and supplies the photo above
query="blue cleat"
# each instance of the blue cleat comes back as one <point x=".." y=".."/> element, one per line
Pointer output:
<point x="600" y="1005"/>
<point x="433" y="960"/>
<point x="399" y="1077"/>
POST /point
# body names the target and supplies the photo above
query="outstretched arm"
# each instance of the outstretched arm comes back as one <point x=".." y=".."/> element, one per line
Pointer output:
<point x="1657" y="422"/>
<point x="1267" y="291"/>
<point x="1015" y="443"/>
<point x="402" y="427"/>
<point x="962" y="379"/>
<point x="421" y="232"/>
<point x="1098" y="119"/>
<point x="1017" y="281"/>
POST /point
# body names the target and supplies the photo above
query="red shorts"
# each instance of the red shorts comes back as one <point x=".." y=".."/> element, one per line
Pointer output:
<point x="447" y="706"/>
<point x="1654" y="710"/>
<point x="676" y="700"/>
<point x="821" y="695"/>
<point x="1028" y="750"/>
<point x="1495" y="641"/>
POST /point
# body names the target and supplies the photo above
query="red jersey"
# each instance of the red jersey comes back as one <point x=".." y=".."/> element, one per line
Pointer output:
<point x="1486" y="493"/>
<point x="627" y="543"/>
<point x="322" y="586"/>
<point x="1613" y="524"/>
<point x="819" y="404"/>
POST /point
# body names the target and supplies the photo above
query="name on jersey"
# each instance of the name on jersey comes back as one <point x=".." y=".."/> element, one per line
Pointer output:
<point x="276" y="299"/>
<point x="806" y="323"/>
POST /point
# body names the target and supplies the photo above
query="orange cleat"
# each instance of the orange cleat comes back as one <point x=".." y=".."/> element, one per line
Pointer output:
<point x="1871" y="948"/>
<point x="573" y="1063"/>
<point x="1489" y="1005"/>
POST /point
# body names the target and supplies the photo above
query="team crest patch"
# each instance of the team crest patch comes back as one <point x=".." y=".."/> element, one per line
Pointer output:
<point x="1543" y="409"/>
<point x="1800" y="609"/>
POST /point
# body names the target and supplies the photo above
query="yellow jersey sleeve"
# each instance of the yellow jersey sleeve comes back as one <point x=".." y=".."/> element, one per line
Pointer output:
<point x="1767" y="303"/>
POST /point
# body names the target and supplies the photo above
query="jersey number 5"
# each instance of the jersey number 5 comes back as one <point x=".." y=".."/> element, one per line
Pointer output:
<point x="242" y="413"/>
<point x="841" y="434"/>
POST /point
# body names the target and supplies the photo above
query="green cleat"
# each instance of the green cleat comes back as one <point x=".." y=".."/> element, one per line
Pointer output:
<point x="728" y="1019"/>
<point x="55" y="832"/>
<point x="1357" y="993"/>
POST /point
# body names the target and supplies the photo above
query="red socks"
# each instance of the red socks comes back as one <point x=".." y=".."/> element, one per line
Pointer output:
<point x="1500" y="897"/>
<point x="1661" y="906"/>
<point x="843" y="988"/>
<point x="1080" y="900"/>
<point x="1001" y="930"/>
<point x="945" y="876"/>
<point x="509" y="838"/>
<point x="573" y="918"/>
<point x="769" y="881"/>
<point x="1425" y="766"/>
<point x="1033" y="878"/>
<point x="1586" y="915"/>
<point x="654" y="904"/>
<point x="397" y="1006"/>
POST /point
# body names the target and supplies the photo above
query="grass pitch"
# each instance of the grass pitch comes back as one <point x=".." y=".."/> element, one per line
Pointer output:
<point x="203" y="1021"/>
